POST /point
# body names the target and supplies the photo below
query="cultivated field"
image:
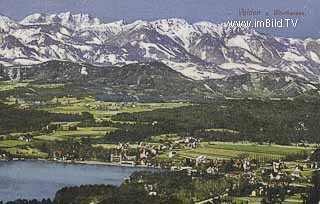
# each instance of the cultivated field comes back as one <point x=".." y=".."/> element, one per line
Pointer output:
<point x="225" y="150"/>
<point x="104" y="110"/>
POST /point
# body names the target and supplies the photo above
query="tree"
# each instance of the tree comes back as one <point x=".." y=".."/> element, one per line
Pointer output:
<point x="316" y="155"/>
<point x="314" y="195"/>
<point x="274" y="195"/>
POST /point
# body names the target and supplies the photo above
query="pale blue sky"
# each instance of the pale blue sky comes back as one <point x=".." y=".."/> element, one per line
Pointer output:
<point x="191" y="10"/>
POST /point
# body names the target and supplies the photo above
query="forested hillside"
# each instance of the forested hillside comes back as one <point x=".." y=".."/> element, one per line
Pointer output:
<point x="13" y="119"/>
<point x="260" y="121"/>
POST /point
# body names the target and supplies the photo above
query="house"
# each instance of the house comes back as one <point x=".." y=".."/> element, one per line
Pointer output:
<point x="115" y="158"/>
<point x="212" y="170"/>
<point x="124" y="146"/>
<point x="278" y="166"/>
<point x="297" y="172"/>
<point x="3" y="156"/>
<point x="143" y="155"/>
<point x="201" y="159"/>
<point x="251" y="176"/>
<point x="143" y="161"/>
<point x="148" y="187"/>
<point x="153" y="193"/>
<point x="27" y="138"/>
<point x="275" y="176"/>
<point x="191" y="142"/>
<point x="191" y="172"/>
<point x="172" y="154"/>
<point x="163" y="148"/>
<point x="185" y="168"/>
<point x="238" y="163"/>
<point x="154" y="151"/>
<point x="58" y="155"/>
<point x="174" y="168"/>
<point x="315" y="165"/>
<point x="253" y="193"/>
<point x="266" y="171"/>
<point x="246" y="165"/>
<point x="258" y="192"/>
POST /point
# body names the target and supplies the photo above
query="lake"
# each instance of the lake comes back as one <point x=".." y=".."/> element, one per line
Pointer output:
<point x="41" y="179"/>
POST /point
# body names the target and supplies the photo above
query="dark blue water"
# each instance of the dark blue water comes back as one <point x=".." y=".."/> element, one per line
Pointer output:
<point x="40" y="179"/>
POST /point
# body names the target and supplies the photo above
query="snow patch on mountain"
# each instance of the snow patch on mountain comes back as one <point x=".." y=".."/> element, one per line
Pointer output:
<point x="289" y="56"/>
<point x="238" y="41"/>
<point x="315" y="57"/>
<point x="67" y="19"/>
<point x="6" y="24"/>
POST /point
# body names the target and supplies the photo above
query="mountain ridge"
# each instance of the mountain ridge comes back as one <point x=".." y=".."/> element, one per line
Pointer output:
<point x="155" y="81"/>
<point x="201" y="51"/>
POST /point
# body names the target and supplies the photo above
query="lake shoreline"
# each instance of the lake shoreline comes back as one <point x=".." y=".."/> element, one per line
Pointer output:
<point x="84" y="163"/>
<point x="40" y="178"/>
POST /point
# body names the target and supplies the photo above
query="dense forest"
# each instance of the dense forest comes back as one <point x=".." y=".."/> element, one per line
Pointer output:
<point x="156" y="188"/>
<point x="280" y="122"/>
<point x="21" y="120"/>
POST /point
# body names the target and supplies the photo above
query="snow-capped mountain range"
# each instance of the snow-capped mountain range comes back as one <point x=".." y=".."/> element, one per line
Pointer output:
<point x="202" y="50"/>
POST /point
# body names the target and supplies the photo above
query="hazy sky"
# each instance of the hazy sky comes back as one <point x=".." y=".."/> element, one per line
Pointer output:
<point x="191" y="10"/>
